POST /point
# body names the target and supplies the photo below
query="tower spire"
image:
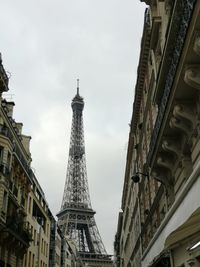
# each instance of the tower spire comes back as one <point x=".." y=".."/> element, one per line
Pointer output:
<point x="76" y="217"/>
<point x="77" y="86"/>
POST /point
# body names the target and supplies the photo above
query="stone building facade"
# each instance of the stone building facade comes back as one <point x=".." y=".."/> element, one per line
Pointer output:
<point x="24" y="212"/>
<point x="55" y="244"/>
<point x="63" y="251"/>
<point x="160" y="220"/>
<point x="15" y="183"/>
<point x="39" y="223"/>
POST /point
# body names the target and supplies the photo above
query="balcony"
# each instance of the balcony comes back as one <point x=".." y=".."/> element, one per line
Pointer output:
<point x="5" y="131"/>
<point x="180" y="25"/>
<point x="5" y="170"/>
<point x="16" y="226"/>
<point x="16" y="234"/>
<point x="23" y="163"/>
<point x="174" y="148"/>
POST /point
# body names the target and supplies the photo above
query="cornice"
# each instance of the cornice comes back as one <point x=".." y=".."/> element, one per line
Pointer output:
<point x="143" y="60"/>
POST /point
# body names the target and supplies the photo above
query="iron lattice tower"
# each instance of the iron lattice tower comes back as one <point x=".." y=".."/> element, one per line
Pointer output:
<point x="76" y="217"/>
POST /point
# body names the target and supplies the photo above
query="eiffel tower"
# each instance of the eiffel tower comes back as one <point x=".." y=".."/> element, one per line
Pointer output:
<point x="76" y="217"/>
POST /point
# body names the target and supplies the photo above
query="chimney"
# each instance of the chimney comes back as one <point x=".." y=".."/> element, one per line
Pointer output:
<point x="19" y="126"/>
<point x="10" y="106"/>
<point x="26" y="143"/>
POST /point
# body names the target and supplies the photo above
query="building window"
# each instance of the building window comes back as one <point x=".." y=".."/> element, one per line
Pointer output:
<point x="5" y="197"/>
<point x="33" y="260"/>
<point x="11" y="186"/>
<point x="29" y="204"/>
<point x="37" y="195"/>
<point x="35" y="240"/>
<point x="46" y="250"/>
<point x="15" y="191"/>
<point x="29" y="259"/>
<point x="8" y="159"/>
<point x="23" y="201"/>
<point x="42" y="246"/>
<point x="47" y="230"/>
<point x="1" y="153"/>
<point x="25" y="256"/>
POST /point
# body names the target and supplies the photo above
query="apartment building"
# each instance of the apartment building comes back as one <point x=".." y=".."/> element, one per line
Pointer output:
<point x="39" y="223"/>
<point x="24" y="212"/>
<point x="63" y="251"/>
<point x="159" y="223"/>
<point x="15" y="183"/>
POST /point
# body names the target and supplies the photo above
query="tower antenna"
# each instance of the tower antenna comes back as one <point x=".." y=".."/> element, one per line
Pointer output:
<point x="77" y="86"/>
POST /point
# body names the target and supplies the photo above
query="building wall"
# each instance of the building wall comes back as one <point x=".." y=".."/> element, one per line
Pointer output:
<point x="39" y="223"/>
<point x="15" y="183"/>
<point x="160" y="202"/>
<point x="24" y="212"/>
<point x="56" y="245"/>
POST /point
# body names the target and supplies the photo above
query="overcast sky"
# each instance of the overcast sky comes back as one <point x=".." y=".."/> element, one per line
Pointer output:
<point x="46" y="45"/>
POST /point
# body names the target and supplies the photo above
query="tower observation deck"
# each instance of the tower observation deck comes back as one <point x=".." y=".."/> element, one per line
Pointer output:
<point x="76" y="217"/>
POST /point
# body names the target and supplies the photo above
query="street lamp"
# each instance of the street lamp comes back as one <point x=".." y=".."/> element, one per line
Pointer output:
<point x="136" y="176"/>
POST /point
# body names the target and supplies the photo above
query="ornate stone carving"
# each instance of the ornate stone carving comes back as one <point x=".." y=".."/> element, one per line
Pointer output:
<point x="196" y="46"/>
<point x="184" y="118"/>
<point x="192" y="76"/>
<point x="180" y="124"/>
<point x="165" y="162"/>
<point x="187" y="164"/>
<point x="191" y="262"/>
<point x="172" y="146"/>
<point x="182" y="22"/>
<point x="163" y="175"/>
<point x="184" y="111"/>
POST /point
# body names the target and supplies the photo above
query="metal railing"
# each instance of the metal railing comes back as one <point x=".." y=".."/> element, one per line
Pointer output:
<point x="23" y="162"/>
<point x="4" y="169"/>
<point x="5" y="131"/>
<point x="16" y="224"/>
<point x="182" y="18"/>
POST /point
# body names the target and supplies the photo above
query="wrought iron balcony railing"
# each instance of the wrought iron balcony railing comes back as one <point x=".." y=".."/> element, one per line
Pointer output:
<point x="182" y="20"/>
<point x="18" y="227"/>
<point x="4" y="169"/>
<point x="23" y="162"/>
<point x="5" y="131"/>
